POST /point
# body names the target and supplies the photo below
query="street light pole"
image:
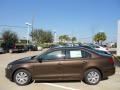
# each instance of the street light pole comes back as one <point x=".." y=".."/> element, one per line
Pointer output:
<point x="28" y="30"/>
<point x="54" y="37"/>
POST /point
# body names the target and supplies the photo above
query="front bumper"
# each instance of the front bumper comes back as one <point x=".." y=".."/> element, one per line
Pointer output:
<point x="8" y="74"/>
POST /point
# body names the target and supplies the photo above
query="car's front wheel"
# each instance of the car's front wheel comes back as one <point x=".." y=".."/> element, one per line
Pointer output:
<point x="92" y="77"/>
<point x="22" y="77"/>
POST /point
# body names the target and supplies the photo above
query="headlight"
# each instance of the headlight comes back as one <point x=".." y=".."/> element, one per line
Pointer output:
<point x="9" y="66"/>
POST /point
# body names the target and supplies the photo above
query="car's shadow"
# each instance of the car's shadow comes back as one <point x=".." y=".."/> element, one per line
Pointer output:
<point x="61" y="81"/>
<point x="57" y="81"/>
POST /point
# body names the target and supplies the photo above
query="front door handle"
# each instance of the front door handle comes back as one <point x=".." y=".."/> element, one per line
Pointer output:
<point x="59" y="64"/>
<point x="84" y="62"/>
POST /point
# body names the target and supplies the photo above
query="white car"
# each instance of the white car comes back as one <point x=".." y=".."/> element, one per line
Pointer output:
<point x="39" y="48"/>
<point x="98" y="47"/>
<point x="2" y="50"/>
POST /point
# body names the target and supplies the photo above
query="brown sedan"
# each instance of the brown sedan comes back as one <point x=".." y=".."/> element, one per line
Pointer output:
<point x="64" y="63"/>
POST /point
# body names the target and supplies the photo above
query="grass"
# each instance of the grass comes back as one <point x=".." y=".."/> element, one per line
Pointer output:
<point x="118" y="57"/>
<point x="117" y="60"/>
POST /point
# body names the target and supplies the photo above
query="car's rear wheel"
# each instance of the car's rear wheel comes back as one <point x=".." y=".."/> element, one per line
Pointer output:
<point x="22" y="77"/>
<point x="92" y="77"/>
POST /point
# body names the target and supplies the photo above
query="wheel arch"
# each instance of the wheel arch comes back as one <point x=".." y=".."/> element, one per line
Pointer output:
<point x="93" y="67"/>
<point x="22" y="68"/>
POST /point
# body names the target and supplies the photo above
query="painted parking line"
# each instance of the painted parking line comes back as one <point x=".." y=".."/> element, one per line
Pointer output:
<point x="60" y="86"/>
<point x="118" y="73"/>
<point x="2" y="66"/>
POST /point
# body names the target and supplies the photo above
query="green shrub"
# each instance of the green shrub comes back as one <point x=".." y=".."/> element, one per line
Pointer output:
<point x="46" y="45"/>
<point x="118" y="57"/>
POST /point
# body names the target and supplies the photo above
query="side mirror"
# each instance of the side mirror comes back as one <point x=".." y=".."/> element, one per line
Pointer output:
<point x="39" y="59"/>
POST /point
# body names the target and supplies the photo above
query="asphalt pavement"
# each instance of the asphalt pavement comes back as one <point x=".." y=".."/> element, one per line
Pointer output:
<point x="112" y="83"/>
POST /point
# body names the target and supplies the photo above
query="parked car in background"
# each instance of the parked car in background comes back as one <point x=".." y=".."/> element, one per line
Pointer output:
<point x="72" y="44"/>
<point x="62" y="63"/>
<point x="56" y="46"/>
<point x="32" y="48"/>
<point x="96" y="50"/>
<point x="67" y="45"/>
<point x="39" y="48"/>
<point x="98" y="47"/>
<point x="2" y="50"/>
<point x="18" y="49"/>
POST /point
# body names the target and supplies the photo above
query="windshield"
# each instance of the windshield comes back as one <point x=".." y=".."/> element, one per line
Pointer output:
<point x="41" y="53"/>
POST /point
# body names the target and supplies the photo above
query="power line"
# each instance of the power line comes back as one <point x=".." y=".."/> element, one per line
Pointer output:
<point x="13" y="26"/>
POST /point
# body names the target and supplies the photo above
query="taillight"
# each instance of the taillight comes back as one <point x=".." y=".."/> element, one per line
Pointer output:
<point x="14" y="47"/>
<point x="111" y="61"/>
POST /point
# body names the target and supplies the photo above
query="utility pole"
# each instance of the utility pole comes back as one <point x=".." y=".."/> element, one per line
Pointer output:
<point x="32" y="26"/>
<point x="54" y="37"/>
<point x="93" y="32"/>
<point x="28" y="25"/>
<point x="32" y="23"/>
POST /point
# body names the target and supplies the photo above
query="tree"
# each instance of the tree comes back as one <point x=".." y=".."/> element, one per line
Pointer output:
<point x="9" y="38"/>
<point x="100" y="37"/>
<point x="73" y="39"/>
<point x="41" y="36"/>
<point x="64" y="38"/>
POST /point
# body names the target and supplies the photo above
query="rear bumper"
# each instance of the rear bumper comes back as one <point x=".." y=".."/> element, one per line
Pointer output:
<point x="108" y="72"/>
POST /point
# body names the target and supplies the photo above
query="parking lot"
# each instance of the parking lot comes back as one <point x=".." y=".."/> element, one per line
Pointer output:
<point x="113" y="83"/>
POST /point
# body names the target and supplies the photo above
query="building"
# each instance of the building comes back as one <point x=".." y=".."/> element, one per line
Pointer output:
<point x="118" y="39"/>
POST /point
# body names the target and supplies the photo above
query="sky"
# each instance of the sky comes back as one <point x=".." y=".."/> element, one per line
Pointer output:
<point x="79" y="18"/>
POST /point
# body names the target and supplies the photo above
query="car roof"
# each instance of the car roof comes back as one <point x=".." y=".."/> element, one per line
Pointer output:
<point x="79" y="47"/>
<point x="70" y="47"/>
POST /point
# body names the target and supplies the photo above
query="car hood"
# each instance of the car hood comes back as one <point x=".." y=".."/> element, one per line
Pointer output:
<point x="23" y="60"/>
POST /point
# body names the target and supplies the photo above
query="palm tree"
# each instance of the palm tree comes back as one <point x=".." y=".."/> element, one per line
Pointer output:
<point x="64" y="38"/>
<point x="61" y="38"/>
<point x="73" y="39"/>
<point x="100" y="37"/>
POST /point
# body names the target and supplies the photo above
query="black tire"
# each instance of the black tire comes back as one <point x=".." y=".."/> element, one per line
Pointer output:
<point x="27" y="76"/>
<point x="90" y="81"/>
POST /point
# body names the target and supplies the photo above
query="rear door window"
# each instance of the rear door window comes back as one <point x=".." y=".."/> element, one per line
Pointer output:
<point x="75" y="54"/>
<point x="78" y="54"/>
